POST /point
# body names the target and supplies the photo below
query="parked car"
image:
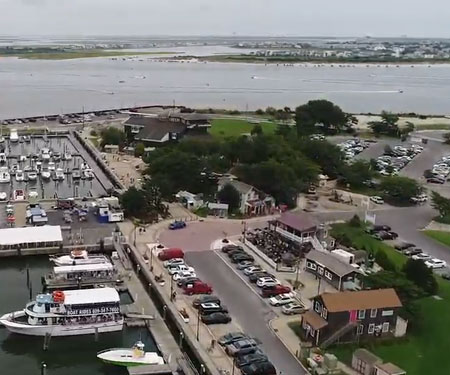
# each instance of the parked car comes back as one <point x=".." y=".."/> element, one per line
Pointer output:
<point x="253" y="278"/>
<point x="216" y="318"/>
<point x="177" y="224"/>
<point x="205" y="299"/>
<point x="421" y="256"/>
<point x="173" y="262"/>
<point x="241" y="347"/>
<point x="235" y="252"/>
<point x="436" y="180"/>
<point x="189" y="280"/>
<point x="180" y="268"/>
<point x="183" y="275"/>
<point x="211" y="307"/>
<point x="376" y="199"/>
<point x="382" y="236"/>
<point x="248" y="359"/>
<point x="197" y="287"/>
<point x="411" y="252"/>
<point x="403" y="246"/>
<point x="421" y="198"/>
<point x="274" y="290"/>
<point x="281" y="299"/>
<point x="266" y="281"/>
<point x="244" y="264"/>
<point x="380" y="227"/>
<point x="171" y="254"/>
<point x="231" y="337"/>
<point x="435" y="263"/>
<point x="241" y="257"/>
<point x="228" y="248"/>
<point x="293" y="308"/>
<point x="260" y="368"/>
<point x="252" y="269"/>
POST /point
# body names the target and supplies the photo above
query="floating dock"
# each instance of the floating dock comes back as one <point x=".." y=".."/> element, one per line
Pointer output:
<point x="150" y="370"/>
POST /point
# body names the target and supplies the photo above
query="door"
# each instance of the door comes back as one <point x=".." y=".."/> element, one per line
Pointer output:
<point x="353" y="315"/>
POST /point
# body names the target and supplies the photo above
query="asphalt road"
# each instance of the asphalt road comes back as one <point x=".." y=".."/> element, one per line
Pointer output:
<point x="250" y="310"/>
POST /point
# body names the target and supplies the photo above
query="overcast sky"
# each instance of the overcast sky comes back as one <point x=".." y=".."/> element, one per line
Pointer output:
<point x="225" y="17"/>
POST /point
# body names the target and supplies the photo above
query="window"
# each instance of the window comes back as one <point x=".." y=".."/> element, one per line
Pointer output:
<point x="361" y="314"/>
<point x="318" y="307"/>
<point x="360" y="366"/>
<point x="373" y="313"/>
<point x="311" y="266"/>
<point x="360" y="329"/>
<point x="385" y="327"/>
<point x="321" y="270"/>
<point x="371" y="328"/>
<point x="387" y="313"/>
<point x="324" y="313"/>
<point x="328" y="275"/>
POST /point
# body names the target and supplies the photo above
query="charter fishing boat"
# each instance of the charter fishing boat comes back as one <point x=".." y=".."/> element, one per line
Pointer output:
<point x="77" y="257"/>
<point x="135" y="356"/>
<point x="5" y="177"/>
<point x="68" y="313"/>
<point x="20" y="176"/>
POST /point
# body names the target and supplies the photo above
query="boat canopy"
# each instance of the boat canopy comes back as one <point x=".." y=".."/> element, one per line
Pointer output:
<point x="83" y="268"/>
<point x="88" y="296"/>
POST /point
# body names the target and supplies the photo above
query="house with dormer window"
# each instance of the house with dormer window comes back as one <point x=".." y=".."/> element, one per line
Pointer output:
<point x="351" y="316"/>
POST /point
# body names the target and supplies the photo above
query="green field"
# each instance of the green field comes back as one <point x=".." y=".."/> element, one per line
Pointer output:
<point x="234" y="128"/>
<point x="423" y="351"/>
<point x="433" y="127"/>
<point x="364" y="241"/>
<point x="440" y="236"/>
<point x="67" y="55"/>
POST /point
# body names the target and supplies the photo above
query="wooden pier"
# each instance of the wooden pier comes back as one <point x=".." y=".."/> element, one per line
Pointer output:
<point x="150" y="370"/>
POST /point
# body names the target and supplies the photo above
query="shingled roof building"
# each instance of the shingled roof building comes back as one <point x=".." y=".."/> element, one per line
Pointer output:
<point x="349" y="316"/>
<point x="296" y="227"/>
<point x="156" y="131"/>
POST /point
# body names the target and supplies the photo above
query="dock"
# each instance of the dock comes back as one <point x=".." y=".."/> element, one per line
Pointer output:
<point x="150" y="370"/>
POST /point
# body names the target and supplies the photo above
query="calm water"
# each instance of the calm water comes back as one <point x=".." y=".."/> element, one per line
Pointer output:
<point x="33" y="87"/>
<point x="66" y="355"/>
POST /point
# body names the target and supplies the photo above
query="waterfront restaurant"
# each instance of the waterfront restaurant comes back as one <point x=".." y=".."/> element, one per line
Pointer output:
<point x="300" y="227"/>
<point x="30" y="237"/>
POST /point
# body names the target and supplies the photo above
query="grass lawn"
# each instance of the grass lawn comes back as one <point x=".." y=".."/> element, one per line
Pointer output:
<point x="364" y="241"/>
<point x="234" y="128"/>
<point x="440" y="236"/>
<point x="423" y="351"/>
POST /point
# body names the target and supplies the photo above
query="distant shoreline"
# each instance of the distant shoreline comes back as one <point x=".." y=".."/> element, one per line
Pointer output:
<point x="68" y="55"/>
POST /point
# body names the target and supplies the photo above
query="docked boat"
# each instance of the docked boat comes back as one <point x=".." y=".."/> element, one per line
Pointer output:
<point x="135" y="356"/>
<point x="9" y="209"/>
<point x="33" y="194"/>
<point x="68" y="313"/>
<point x="45" y="154"/>
<point x="46" y="174"/>
<point x="27" y="138"/>
<point x="13" y="136"/>
<point x="3" y="196"/>
<point x="67" y="156"/>
<point x="56" y="156"/>
<point x="59" y="174"/>
<point x="20" y="176"/>
<point x="19" y="195"/>
<point x="32" y="175"/>
<point x="2" y="157"/>
<point x="81" y="276"/>
<point x="88" y="174"/>
<point x="5" y="177"/>
<point x="77" y="257"/>
<point x="51" y="166"/>
<point x="76" y="175"/>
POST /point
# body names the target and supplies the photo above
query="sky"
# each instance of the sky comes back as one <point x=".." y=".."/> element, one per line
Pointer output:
<point x="415" y="18"/>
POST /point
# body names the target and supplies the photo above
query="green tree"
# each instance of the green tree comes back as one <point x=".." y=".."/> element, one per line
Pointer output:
<point x="400" y="189"/>
<point x="355" y="221"/>
<point x="257" y="130"/>
<point x="139" y="150"/>
<point x="134" y="203"/>
<point x="229" y="195"/>
<point x="388" y="125"/>
<point x="358" y="173"/>
<point x="112" y="136"/>
<point x="316" y="112"/>
<point x="271" y="111"/>
<point x="421" y="275"/>
<point x="282" y="115"/>
<point x="259" y="112"/>
<point x="383" y="261"/>
<point x="441" y="204"/>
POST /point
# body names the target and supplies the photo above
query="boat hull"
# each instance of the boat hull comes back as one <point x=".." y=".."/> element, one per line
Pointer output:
<point x="126" y="357"/>
<point x="57" y="330"/>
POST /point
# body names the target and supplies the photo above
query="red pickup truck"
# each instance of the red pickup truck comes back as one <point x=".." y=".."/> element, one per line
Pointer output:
<point x="271" y="291"/>
<point x="197" y="287"/>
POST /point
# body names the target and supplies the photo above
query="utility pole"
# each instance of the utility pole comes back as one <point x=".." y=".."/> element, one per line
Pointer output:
<point x="198" y="323"/>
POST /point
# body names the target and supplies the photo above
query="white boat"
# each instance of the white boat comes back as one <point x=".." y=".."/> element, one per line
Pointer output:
<point x="3" y="196"/>
<point x="68" y="313"/>
<point x="19" y="195"/>
<point x="20" y="176"/>
<point x="67" y="156"/>
<point x="33" y="194"/>
<point x="135" y="356"/>
<point x="78" y="257"/>
<point x="27" y="138"/>
<point x="9" y="209"/>
<point x="88" y="174"/>
<point x="32" y="175"/>
<point x="5" y="177"/>
<point x="45" y="154"/>
<point x="51" y="166"/>
<point x="2" y="157"/>
<point x="13" y="136"/>
<point x="76" y="175"/>
<point x="59" y="174"/>
<point x="46" y="175"/>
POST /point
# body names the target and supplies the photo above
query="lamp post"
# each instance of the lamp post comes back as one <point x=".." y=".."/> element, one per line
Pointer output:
<point x="296" y="274"/>
<point x="151" y="258"/>
<point x="171" y="288"/>
<point x="198" y="323"/>
<point x="234" y="365"/>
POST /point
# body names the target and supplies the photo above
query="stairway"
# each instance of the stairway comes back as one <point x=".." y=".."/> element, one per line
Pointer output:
<point x="339" y="333"/>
